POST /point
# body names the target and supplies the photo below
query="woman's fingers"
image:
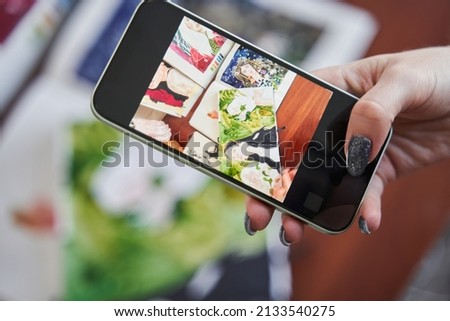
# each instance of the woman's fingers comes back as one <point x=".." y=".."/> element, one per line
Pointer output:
<point x="384" y="93"/>
<point x="370" y="211"/>
<point x="258" y="215"/>
<point x="291" y="230"/>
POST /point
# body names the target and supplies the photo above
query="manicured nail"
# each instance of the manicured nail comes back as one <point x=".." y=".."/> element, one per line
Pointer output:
<point x="359" y="151"/>
<point x="363" y="226"/>
<point x="248" y="229"/>
<point x="283" y="237"/>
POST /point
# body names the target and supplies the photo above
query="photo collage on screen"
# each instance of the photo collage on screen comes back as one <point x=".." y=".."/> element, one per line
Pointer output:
<point x="231" y="108"/>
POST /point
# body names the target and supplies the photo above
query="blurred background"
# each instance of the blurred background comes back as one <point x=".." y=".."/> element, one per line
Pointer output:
<point x="73" y="230"/>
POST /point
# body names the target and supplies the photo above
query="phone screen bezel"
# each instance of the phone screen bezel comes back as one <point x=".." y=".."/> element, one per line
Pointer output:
<point x="131" y="68"/>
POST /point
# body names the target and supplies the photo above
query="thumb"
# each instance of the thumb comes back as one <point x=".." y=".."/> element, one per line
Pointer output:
<point x="383" y="95"/>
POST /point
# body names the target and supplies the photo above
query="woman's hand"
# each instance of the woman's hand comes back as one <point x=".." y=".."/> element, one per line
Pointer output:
<point x="409" y="91"/>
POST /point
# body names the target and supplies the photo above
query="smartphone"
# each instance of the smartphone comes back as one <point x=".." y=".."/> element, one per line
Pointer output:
<point x="218" y="103"/>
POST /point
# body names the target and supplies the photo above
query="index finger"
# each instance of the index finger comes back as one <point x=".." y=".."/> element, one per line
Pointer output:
<point x="259" y="213"/>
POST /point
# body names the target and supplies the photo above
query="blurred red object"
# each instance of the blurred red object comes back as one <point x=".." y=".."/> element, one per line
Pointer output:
<point x="11" y="12"/>
<point x="38" y="217"/>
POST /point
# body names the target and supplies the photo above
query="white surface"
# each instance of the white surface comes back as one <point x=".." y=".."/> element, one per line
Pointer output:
<point x="30" y="264"/>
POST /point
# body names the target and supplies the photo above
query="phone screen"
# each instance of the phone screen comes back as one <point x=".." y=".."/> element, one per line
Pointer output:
<point x="232" y="109"/>
<point x="215" y="100"/>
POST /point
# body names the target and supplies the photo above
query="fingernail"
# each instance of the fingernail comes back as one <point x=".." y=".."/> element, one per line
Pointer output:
<point x="363" y="226"/>
<point x="248" y="229"/>
<point x="359" y="151"/>
<point x="283" y="237"/>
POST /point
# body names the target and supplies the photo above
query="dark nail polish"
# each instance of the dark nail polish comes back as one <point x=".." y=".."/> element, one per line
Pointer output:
<point x="283" y="237"/>
<point x="359" y="151"/>
<point x="363" y="226"/>
<point x="248" y="229"/>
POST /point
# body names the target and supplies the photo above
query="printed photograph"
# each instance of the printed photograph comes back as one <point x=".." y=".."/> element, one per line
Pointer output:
<point x="245" y="68"/>
<point x="196" y="44"/>
<point x="206" y="117"/>
<point x="248" y="69"/>
<point x="203" y="149"/>
<point x="171" y="91"/>
<point x="248" y="140"/>
<point x="197" y="50"/>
